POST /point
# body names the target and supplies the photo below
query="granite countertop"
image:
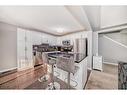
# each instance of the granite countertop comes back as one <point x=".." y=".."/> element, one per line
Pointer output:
<point x="123" y="65"/>
<point x="78" y="57"/>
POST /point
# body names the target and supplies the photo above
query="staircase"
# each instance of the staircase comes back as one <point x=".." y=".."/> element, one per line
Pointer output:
<point x="119" y="37"/>
<point x="113" y="47"/>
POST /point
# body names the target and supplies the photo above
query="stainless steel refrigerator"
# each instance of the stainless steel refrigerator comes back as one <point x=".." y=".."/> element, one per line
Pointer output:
<point x="80" y="45"/>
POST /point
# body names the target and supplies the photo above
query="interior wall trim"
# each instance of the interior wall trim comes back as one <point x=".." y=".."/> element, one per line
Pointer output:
<point x="111" y="29"/>
<point x="41" y="31"/>
<point x="1" y="71"/>
<point x="110" y="63"/>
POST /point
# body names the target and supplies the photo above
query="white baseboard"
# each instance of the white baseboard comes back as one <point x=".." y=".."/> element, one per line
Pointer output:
<point x="25" y="68"/>
<point x="8" y="69"/>
<point x="111" y="63"/>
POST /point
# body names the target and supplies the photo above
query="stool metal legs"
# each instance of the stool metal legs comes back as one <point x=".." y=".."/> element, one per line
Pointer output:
<point x="69" y="80"/>
<point x="53" y="85"/>
<point x="44" y="78"/>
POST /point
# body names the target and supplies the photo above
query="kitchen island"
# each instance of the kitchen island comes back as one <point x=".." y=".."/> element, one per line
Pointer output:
<point x="78" y="80"/>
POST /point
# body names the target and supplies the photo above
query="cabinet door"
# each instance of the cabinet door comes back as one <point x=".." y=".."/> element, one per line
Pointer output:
<point x="20" y="53"/>
<point x="21" y="50"/>
<point x="28" y="44"/>
<point x="29" y="49"/>
<point x="39" y="38"/>
<point x="24" y="48"/>
<point x="20" y="34"/>
<point x="29" y="54"/>
<point x="52" y="40"/>
<point x="97" y="62"/>
<point x="33" y="35"/>
<point x="84" y="78"/>
<point x="20" y="46"/>
<point x="44" y="40"/>
<point x="28" y="36"/>
<point x="36" y="38"/>
<point x="59" y="40"/>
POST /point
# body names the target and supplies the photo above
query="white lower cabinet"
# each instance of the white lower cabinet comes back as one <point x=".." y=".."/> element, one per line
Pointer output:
<point x="79" y="79"/>
<point x="84" y="78"/>
<point x="97" y="62"/>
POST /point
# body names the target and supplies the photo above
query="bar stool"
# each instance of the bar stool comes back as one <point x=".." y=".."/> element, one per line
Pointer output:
<point x="53" y="85"/>
<point x="45" y="62"/>
<point x="67" y="64"/>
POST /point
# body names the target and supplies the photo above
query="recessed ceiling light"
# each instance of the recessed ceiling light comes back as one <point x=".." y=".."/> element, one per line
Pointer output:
<point x="60" y="30"/>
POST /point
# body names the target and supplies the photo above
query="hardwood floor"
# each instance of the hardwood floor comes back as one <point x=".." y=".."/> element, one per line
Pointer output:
<point x="21" y="80"/>
<point x="27" y="79"/>
<point x="43" y="85"/>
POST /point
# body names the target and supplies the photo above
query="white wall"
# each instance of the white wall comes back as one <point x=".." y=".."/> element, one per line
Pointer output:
<point x="113" y="15"/>
<point x="95" y="43"/>
<point x="8" y="47"/>
<point x="90" y="49"/>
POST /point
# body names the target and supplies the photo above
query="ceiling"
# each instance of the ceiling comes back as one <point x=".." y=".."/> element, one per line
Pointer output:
<point x="56" y="20"/>
<point x="93" y="14"/>
<point x="61" y="20"/>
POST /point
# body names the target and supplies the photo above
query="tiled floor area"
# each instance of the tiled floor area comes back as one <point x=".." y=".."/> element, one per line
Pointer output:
<point x="107" y="79"/>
